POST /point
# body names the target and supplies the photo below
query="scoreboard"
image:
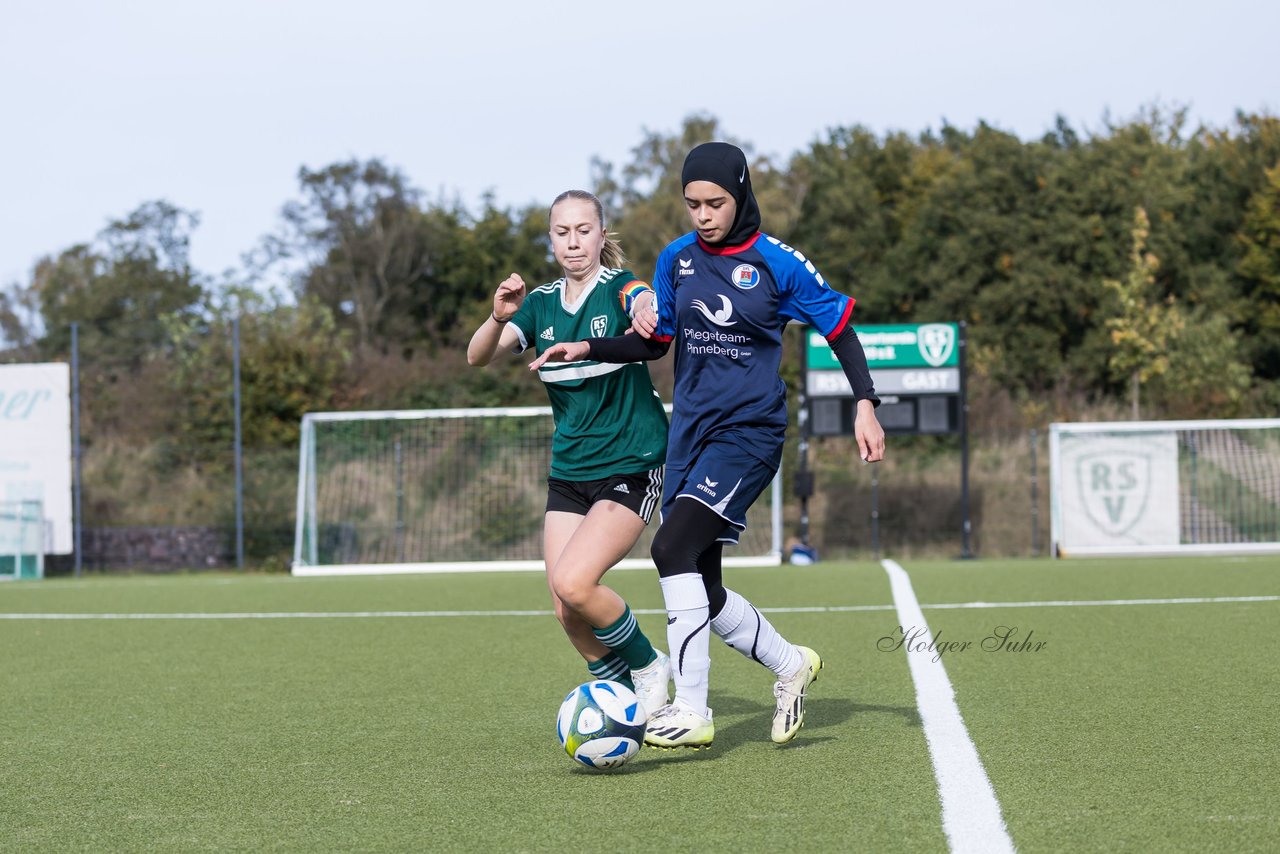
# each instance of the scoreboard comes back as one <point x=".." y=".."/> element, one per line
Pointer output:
<point x="917" y="370"/>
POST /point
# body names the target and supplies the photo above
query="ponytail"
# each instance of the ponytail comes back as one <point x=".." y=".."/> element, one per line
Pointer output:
<point x="611" y="254"/>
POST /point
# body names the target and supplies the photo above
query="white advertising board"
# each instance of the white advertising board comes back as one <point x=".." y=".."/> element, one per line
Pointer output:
<point x="1117" y="490"/>
<point x="35" y="444"/>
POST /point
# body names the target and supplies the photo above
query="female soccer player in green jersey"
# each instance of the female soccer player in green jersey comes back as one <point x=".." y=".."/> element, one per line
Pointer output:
<point x="610" y="438"/>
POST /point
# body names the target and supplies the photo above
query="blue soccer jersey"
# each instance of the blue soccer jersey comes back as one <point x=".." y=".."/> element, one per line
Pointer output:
<point x="723" y="310"/>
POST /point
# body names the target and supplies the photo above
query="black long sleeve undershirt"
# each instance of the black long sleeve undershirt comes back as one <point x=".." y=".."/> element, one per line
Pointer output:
<point x="853" y="360"/>
<point x="636" y="348"/>
<point x="628" y="348"/>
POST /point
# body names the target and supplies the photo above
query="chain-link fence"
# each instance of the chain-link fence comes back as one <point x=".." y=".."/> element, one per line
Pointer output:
<point x="911" y="503"/>
<point x="163" y="484"/>
<point x="164" y="476"/>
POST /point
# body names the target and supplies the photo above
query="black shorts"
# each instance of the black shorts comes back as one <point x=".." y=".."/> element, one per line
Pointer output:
<point x="640" y="493"/>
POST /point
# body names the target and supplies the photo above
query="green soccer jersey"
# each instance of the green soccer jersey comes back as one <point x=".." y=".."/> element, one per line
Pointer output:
<point x="608" y="418"/>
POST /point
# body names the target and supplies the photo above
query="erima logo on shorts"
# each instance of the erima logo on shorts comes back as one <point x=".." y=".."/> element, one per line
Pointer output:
<point x="708" y="486"/>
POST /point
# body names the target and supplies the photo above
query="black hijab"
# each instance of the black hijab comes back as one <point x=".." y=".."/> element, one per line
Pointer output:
<point x="726" y="166"/>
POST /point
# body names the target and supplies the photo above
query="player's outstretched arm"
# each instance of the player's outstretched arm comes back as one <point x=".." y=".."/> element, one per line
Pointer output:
<point x="620" y="349"/>
<point x="866" y="427"/>
<point x="569" y="351"/>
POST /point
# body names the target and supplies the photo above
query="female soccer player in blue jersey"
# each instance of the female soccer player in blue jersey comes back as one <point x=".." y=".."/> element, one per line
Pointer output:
<point x="724" y="293"/>
<point x="609" y="443"/>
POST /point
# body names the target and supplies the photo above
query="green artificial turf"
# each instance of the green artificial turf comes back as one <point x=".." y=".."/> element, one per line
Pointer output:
<point x="1149" y="727"/>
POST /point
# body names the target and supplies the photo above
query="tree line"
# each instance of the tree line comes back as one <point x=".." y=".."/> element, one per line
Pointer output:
<point x="1138" y="264"/>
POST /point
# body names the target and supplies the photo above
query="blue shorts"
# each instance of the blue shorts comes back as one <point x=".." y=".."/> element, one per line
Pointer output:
<point x="725" y="479"/>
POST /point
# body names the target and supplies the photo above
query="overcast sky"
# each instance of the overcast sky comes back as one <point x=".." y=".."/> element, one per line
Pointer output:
<point x="214" y="106"/>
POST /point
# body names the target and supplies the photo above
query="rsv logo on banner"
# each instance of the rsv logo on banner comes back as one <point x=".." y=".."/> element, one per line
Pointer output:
<point x="936" y="341"/>
<point x="1120" y="490"/>
<point x="1115" y="488"/>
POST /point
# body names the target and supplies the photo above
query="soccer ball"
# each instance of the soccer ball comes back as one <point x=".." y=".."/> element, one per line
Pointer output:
<point x="802" y="555"/>
<point x="601" y="724"/>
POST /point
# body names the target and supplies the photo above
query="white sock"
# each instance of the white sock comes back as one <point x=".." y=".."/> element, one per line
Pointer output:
<point x="688" y="640"/>
<point x="745" y="629"/>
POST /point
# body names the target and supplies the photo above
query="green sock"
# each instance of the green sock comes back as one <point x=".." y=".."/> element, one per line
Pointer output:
<point x="625" y="638"/>
<point x="611" y="667"/>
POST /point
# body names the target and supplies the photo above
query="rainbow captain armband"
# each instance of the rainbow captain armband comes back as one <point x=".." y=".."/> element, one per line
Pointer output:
<point x="630" y="292"/>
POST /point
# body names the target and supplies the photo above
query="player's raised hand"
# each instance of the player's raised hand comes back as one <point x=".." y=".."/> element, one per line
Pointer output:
<point x="868" y="432"/>
<point x="572" y="351"/>
<point x="508" y="298"/>
<point x="644" y="315"/>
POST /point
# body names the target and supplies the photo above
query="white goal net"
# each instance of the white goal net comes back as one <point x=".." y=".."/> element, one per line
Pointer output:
<point x="1165" y="487"/>
<point x="447" y="490"/>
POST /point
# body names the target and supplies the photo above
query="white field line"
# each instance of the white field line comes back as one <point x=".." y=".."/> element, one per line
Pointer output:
<point x="806" y="609"/>
<point x="1090" y="603"/>
<point x="971" y="815"/>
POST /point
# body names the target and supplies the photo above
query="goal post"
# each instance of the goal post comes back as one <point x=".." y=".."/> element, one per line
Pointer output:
<point x="448" y="490"/>
<point x="22" y="540"/>
<point x="1165" y="487"/>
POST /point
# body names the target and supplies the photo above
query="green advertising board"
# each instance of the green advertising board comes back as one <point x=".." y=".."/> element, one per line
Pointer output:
<point x="899" y="345"/>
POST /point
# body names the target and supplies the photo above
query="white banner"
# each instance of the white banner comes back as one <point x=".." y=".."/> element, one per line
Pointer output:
<point x="1119" y="490"/>
<point x="35" y="443"/>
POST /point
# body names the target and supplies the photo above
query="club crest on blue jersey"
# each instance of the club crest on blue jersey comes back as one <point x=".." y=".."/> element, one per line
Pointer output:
<point x="745" y="276"/>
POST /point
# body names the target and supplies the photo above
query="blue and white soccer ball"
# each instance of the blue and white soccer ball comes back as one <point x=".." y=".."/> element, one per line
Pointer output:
<point x="802" y="555"/>
<point x="601" y="724"/>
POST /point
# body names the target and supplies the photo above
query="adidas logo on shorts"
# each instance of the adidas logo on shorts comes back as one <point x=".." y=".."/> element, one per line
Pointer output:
<point x="622" y="487"/>
<point x="548" y="334"/>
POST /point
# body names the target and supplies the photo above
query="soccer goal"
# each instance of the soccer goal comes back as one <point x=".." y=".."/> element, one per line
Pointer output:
<point x="1165" y="487"/>
<point x="448" y="490"/>
<point x="22" y="540"/>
